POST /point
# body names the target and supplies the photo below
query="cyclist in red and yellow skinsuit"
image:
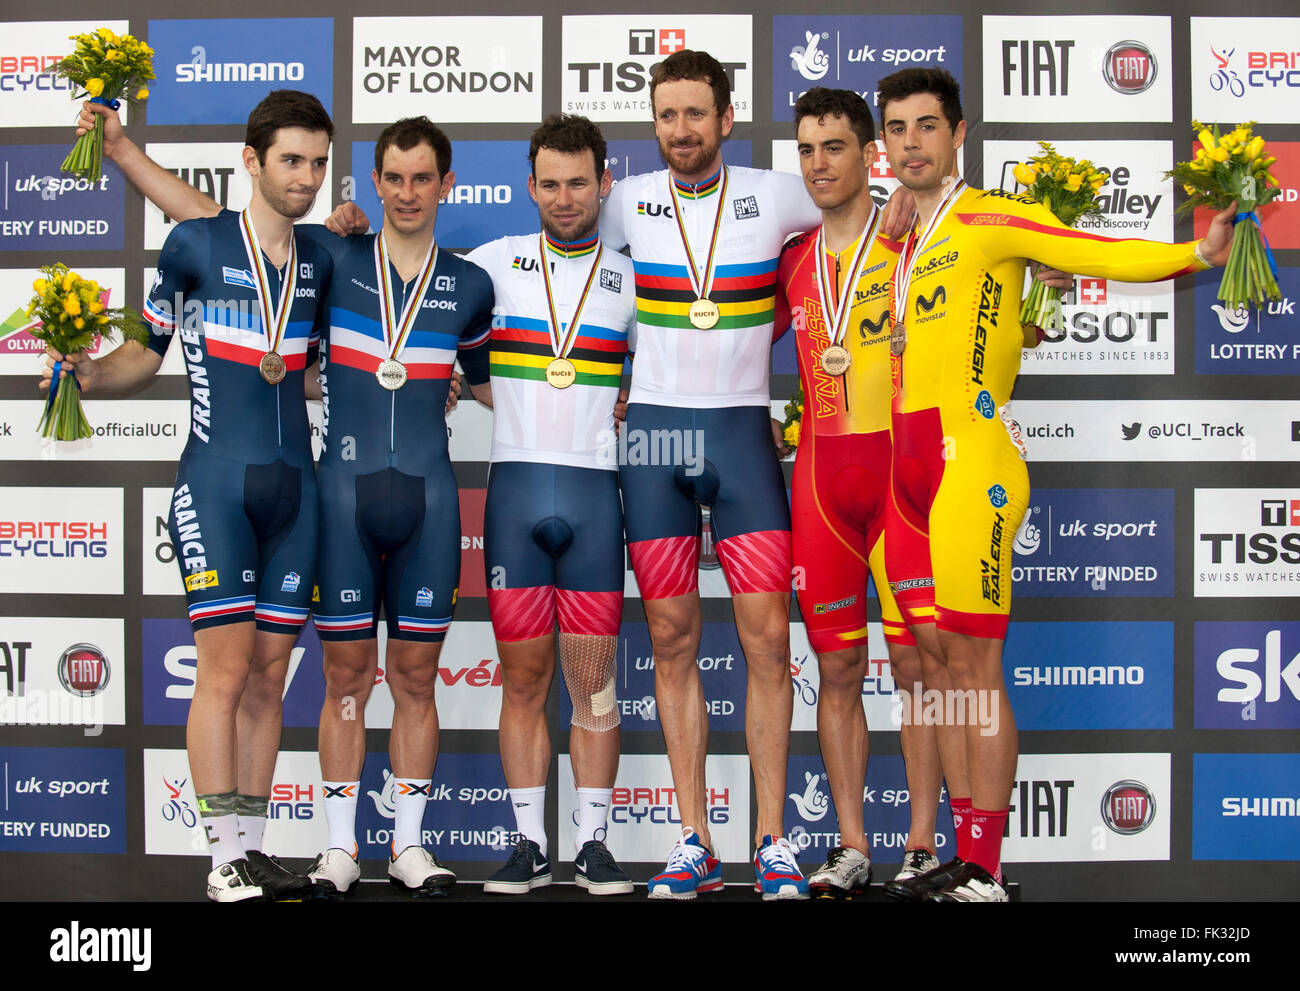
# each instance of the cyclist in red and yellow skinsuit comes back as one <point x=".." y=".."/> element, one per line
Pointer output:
<point x="841" y="475"/>
<point x="960" y="485"/>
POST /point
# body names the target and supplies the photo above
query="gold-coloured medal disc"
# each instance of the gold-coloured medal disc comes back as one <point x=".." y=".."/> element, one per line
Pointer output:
<point x="272" y="367"/>
<point x="704" y="314"/>
<point x="898" y="339"/>
<point x="561" y="373"/>
<point x="836" y="360"/>
<point x="391" y="374"/>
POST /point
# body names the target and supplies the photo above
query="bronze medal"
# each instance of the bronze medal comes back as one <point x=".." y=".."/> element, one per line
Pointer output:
<point x="561" y="373"/>
<point x="898" y="339"/>
<point x="391" y="374"/>
<point x="836" y="360"/>
<point x="272" y="367"/>
<point x="704" y="314"/>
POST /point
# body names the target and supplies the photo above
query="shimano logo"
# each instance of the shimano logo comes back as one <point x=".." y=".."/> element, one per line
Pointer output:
<point x="480" y="194"/>
<point x="239" y="72"/>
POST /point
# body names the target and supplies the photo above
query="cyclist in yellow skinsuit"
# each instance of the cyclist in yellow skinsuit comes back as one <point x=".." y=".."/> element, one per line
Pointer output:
<point x="960" y="485"/>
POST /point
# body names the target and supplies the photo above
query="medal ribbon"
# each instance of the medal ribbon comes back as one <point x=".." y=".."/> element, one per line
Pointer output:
<point x="912" y="249"/>
<point x="837" y="311"/>
<point x="562" y="347"/>
<point x="701" y="285"/>
<point x="279" y="317"/>
<point x="395" y="332"/>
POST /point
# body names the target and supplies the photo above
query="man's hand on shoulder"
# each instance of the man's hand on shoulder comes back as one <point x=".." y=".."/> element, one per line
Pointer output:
<point x="347" y="218"/>
<point x="899" y="215"/>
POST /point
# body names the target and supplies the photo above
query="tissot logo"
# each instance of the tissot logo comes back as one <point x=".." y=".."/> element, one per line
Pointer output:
<point x="652" y="41"/>
<point x="608" y="59"/>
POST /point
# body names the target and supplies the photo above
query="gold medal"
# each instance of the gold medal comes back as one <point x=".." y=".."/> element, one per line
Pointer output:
<point x="272" y="367"/>
<point x="835" y="360"/>
<point x="391" y="374"/>
<point x="561" y="373"/>
<point x="898" y="339"/>
<point x="704" y="314"/>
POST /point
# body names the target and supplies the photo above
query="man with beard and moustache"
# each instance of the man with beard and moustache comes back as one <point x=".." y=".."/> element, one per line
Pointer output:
<point x="244" y="292"/>
<point x="705" y="240"/>
<point x="400" y="312"/>
<point x="553" y="521"/>
<point x="959" y="484"/>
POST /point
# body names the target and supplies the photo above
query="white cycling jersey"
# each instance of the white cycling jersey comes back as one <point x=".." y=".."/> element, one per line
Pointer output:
<point x="678" y="364"/>
<point x="532" y="420"/>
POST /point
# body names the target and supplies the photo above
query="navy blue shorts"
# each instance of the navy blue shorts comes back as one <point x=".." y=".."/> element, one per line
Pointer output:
<point x="553" y="549"/>
<point x="245" y="539"/>
<point x="674" y="458"/>
<point x="393" y="538"/>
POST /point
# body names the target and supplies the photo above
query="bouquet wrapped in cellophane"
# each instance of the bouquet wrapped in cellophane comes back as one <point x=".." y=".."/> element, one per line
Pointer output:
<point x="72" y="312"/>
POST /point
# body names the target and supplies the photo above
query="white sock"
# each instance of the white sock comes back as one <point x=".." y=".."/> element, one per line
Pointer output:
<point x="341" y="813"/>
<point x="410" y="795"/>
<point x="223" y="838"/>
<point x="593" y="815"/>
<point x="251" y="810"/>
<point x="530" y="811"/>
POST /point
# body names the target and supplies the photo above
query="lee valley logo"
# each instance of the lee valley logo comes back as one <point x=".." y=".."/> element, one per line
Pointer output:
<point x="92" y="944"/>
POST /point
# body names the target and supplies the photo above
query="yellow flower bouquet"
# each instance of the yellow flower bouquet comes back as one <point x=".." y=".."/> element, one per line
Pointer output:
<point x="72" y="312"/>
<point x="793" y="421"/>
<point x="1068" y="188"/>
<point x="1233" y="168"/>
<point x="109" y="68"/>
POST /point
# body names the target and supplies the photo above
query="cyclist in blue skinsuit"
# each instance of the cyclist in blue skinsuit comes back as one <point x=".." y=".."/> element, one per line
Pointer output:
<point x="242" y="293"/>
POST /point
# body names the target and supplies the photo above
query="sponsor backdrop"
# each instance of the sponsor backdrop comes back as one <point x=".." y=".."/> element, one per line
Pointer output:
<point x="1155" y="572"/>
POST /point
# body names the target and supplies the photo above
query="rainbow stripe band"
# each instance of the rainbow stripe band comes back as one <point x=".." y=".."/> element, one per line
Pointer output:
<point x="571" y="249"/>
<point x="699" y="190"/>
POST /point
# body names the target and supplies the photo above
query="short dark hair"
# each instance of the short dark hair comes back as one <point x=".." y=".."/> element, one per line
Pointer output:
<point x="909" y="82"/>
<point x="408" y="132"/>
<point x="697" y="67"/>
<point x="821" y="102"/>
<point x="284" y="108"/>
<point x="568" y="133"/>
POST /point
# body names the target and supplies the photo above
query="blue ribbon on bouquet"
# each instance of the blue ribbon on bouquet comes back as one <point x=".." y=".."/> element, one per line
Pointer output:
<point x="1253" y="217"/>
<point x="54" y="385"/>
<point x="115" y="104"/>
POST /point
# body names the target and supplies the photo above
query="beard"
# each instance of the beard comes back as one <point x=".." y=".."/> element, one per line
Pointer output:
<point x="689" y="160"/>
<point x="292" y="208"/>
